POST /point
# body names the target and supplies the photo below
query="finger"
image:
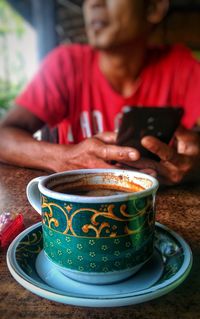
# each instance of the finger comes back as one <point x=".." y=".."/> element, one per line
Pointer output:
<point x="188" y="142"/>
<point x="149" y="171"/>
<point x="189" y="149"/>
<point x="107" y="137"/>
<point x="165" y="172"/>
<point x="145" y="171"/>
<point x="143" y="163"/>
<point x="116" y="153"/>
<point x="149" y="166"/>
<point x="162" y="150"/>
<point x="184" y="133"/>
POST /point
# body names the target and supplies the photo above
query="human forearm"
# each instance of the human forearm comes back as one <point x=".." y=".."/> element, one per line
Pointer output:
<point x="18" y="147"/>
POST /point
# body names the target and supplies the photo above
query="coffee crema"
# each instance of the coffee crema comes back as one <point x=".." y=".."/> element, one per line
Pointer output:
<point x="97" y="190"/>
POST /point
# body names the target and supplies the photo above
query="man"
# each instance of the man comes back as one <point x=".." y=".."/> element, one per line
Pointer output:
<point x="83" y="89"/>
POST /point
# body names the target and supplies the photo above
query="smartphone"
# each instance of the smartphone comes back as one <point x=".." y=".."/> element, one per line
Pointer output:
<point x="138" y="122"/>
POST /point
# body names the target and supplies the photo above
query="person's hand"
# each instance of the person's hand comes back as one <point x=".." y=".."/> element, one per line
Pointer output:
<point x="98" y="151"/>
<point x="178" y="163"/>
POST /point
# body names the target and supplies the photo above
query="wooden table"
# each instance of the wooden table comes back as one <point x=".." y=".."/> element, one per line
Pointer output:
<point x="177" y="207"/>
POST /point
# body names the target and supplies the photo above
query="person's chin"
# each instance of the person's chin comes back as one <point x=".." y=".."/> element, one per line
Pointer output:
<point x="101" y="43"/>
<point x="102" y="39"/>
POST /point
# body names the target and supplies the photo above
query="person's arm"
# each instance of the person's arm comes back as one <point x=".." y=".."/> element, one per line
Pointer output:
<point x="18" y="147"/>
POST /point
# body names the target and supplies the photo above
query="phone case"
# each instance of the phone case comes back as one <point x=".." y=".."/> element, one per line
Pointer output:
<point x="138" y="122"/>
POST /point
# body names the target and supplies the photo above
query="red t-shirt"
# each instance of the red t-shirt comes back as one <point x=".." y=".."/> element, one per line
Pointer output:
<point x="69" y="90"/>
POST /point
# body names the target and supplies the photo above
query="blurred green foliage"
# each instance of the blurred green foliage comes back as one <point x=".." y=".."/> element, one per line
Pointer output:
<point x="12" y="77"/>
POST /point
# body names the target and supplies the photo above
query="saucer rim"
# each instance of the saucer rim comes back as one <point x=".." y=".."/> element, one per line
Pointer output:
<point x="48" y="292"/>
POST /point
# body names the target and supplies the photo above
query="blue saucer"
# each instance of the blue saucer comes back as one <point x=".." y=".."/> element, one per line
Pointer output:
<point x="170" y="265"/>
<point x="144" y="279"/>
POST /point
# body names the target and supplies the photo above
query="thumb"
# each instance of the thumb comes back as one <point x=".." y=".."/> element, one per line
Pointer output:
<point x="107" y="137"/>
<point x="188" y="142"/>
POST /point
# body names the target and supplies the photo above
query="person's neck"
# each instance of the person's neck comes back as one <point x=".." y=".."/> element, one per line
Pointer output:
<point x="122" y="67"/>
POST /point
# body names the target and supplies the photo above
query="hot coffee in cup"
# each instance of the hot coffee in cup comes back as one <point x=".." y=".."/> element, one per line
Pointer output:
<point x="98" y="224"/>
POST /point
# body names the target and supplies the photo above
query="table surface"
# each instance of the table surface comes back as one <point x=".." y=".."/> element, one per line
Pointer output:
<point x="177" y="208"/>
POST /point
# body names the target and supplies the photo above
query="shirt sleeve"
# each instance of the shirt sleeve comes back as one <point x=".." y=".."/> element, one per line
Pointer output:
<point x="46" y="95"/>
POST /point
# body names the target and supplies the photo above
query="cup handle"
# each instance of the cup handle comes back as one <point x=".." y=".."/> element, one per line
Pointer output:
<point x="33" y="193"/>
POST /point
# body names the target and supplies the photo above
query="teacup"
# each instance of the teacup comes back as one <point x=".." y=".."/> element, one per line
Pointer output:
<point x="98" y="224"/>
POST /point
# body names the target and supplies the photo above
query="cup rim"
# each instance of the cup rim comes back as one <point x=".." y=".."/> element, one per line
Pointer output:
<point x="89" y="199"/>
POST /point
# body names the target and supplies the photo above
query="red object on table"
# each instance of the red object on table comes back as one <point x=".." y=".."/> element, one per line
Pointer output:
<point x="11" y="230"/>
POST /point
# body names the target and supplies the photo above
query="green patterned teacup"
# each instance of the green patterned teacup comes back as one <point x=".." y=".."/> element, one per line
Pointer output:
<point x="98" y="224"/>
